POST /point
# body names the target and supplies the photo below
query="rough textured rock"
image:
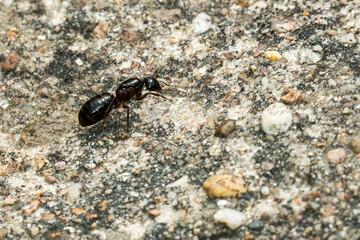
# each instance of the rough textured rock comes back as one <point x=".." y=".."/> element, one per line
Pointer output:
<point x="215" y="60"/>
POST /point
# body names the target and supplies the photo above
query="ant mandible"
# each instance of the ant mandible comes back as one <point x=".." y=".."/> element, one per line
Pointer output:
<point x="99" y="107"/>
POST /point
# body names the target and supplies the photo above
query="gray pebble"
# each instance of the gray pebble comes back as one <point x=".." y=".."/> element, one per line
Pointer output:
<point x="256" y="225"/>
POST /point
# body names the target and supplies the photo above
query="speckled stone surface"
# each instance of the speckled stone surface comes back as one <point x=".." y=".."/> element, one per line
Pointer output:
<point x="216" y="60"/>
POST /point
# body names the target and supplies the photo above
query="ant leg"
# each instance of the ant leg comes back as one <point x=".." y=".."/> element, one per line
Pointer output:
<point x="158" y="94"/>
<point x="140" y="97"/>
<point x="127" y="117"/>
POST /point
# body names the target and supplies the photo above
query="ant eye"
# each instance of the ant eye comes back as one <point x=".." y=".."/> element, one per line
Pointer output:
<point x="152" y="84"/>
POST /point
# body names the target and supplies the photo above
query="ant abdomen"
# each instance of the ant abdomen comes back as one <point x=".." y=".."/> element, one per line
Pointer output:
<point x="96" y="109"/>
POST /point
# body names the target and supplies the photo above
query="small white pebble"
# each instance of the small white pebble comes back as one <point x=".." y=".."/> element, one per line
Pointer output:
<point x="98" y="159"/>
<point x="222" y="203"/>
<point x="90" y="166"/>
<point x="79" y="62"/>
<point x="317" y="48"/>
<point x="267" y="166"/>
<point x="41" y="37"/>
<point x="308" y="56"/>
<point x="348" y="38"/>
<point x="232" y="218"/>
<point x="201" y="23"/>
<point x="73" y="192"/>
<point x="275" y="119"/>
<point x="332" y="82"/>
<point x="265" y="191"/>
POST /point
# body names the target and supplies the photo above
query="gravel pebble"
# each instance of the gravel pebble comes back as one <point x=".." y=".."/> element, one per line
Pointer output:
<point x="3" y="233"/>
<point x="273" y="55"/>
<point x="232" y="218"/>
<point x="256" y="225"/>
<point x="10" y="62"/>
<point x="225" y="128"/>
<point x="355" y="145"/>
<point x="225" y="186"/>
<point x="308" y="56"/>
<point x="283" y="24"/>
<point x="131" y="36"/>
<point x="336" y="156"/>
<point x="16" y="229"/>
<point x="60" y="165"/>
<point x="275" y="119"/>
<point x="201" y="23"/>
<point x="267" y="165"/>
<point x="34" y="230"/>
<point x="101" y="29"/>
<point x="265" y="191"/>
<point x="73" y="191"/>
<point x="291" y="96"/>
<point x="348" y="38"/>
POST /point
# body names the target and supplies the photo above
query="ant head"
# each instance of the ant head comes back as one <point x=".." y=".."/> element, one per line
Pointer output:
<point x="152" y="84"/>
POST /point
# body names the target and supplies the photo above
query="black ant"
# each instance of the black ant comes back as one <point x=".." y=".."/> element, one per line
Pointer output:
<point x="99" y="107"/>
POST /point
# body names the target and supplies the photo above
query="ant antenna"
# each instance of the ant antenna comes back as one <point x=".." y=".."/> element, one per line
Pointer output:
<point x="165" y="83"/>
<point x="157" y="70"/>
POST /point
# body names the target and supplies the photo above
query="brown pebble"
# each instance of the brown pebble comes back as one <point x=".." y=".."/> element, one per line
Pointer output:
<point x="355" y="145"/>
<point x="273" y="55"/>
<point x="131" y="36"/>
<point x="78" y="211"/>
<point x="171" y="228"/>
<point x="225" y="186"/>
<point x="48" y="217"/>
<point x="249" y="237"/>
<point x="10" y="62"/>
<point x="158" y="199"/>
<point x="310" y="195"/>
<point x="74" y="174"/>
<point x="101" y="29"/>
<point x="3" y="233"/>
<point x="94" y="225"/>
<point x="91" y="216"/>
<point x="103" y="206"/>
<point x="336" y="156"/>
<point x="111" y="218"/>
<point x="225" y="128"/>
<point x="50" y="179"/>
<point x="32" y="207"/>
<point x="108" y="191"/>
<point x="290" y="96"/>
<point x="13" y="32"/>
<point x="55" y="235"/>
<point x="242" y="3"/>
<point x="167" y="15"/>
<point x="154" y="212"/>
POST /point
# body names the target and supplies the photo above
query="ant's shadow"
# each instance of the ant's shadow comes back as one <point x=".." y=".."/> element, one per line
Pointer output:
<point x="113" y="127"/>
